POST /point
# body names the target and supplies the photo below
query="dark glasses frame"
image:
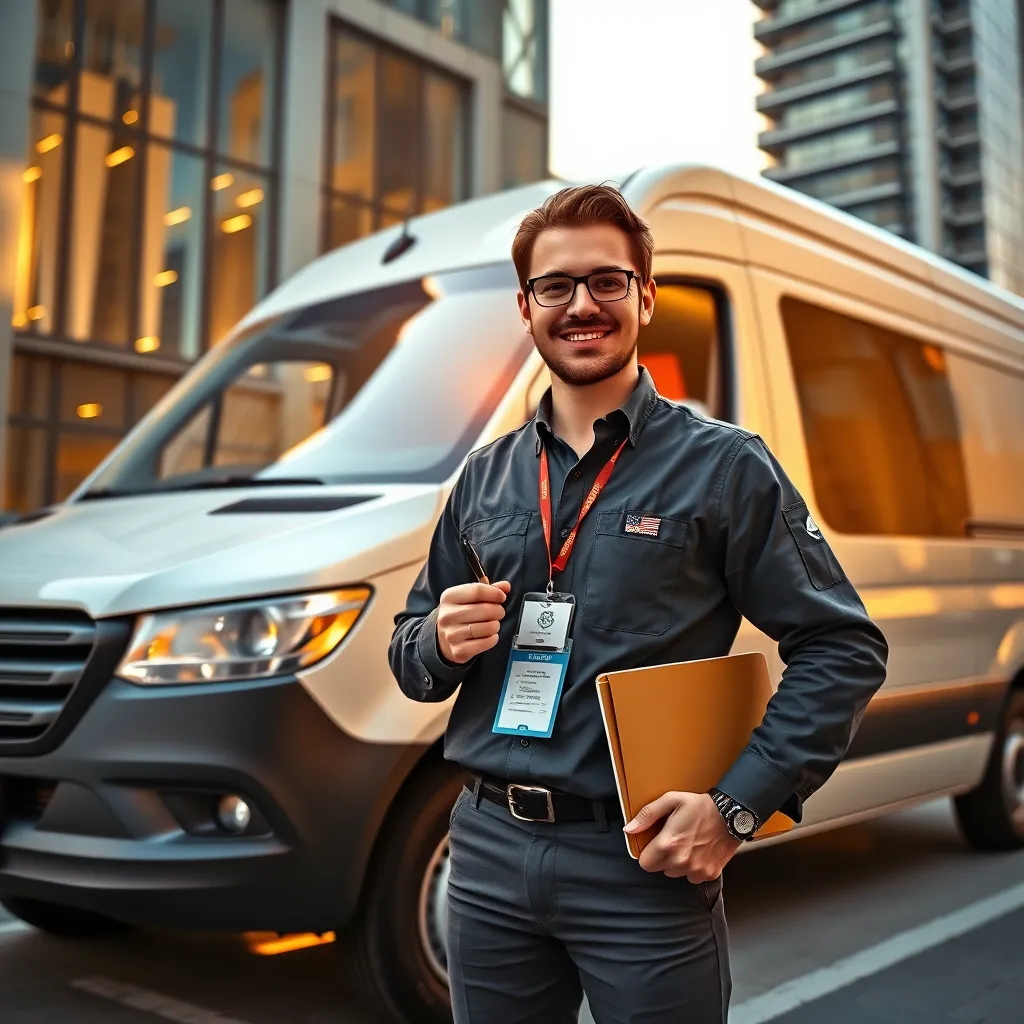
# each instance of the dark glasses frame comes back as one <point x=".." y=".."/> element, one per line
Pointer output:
<point x="584" y="279"/>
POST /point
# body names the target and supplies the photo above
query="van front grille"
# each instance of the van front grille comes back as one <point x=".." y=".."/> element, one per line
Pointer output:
<point x="43" y="654"/>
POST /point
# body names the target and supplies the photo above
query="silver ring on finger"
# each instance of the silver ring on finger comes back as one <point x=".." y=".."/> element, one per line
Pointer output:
<point x="472" y="635"/>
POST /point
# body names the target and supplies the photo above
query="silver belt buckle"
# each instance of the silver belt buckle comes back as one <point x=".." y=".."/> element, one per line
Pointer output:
<point x="530" y="789"/>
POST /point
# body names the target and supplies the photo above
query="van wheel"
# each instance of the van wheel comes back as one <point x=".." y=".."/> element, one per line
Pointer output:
<point x="395" y="949"/>
<point x="992" y="816"/>
<point x="65" y="922"/>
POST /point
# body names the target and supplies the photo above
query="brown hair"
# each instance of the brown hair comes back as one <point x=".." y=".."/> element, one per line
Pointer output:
<point x="581" y="206"/>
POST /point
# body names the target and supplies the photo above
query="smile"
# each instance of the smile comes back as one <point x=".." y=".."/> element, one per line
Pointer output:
<point x="577" y="336"/>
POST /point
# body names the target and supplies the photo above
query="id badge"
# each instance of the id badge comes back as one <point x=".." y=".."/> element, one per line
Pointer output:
<point x="545" y="622"/>
<point x="536" y="667"/>
<point x="532" y="690"/>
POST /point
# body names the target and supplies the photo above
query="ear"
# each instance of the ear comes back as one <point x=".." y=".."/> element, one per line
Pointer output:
<point x="647" y="302"/>
<point x="524" y="312"/>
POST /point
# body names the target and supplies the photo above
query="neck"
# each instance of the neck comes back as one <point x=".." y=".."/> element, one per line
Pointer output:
<point x="574" y="409"/>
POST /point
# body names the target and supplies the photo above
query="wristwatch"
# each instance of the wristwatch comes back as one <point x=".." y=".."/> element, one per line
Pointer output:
<point x="741" y="823"/>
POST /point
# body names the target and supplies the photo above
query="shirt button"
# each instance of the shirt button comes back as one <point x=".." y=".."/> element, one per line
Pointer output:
<point x="576" y="474"/>
<point x="427" y="681"/>
<point x="565" y="533"/>
<point x="524" y="743"/>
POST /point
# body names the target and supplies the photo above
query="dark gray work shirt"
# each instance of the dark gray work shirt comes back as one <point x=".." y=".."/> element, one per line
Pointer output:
<point x="734" y="540"/>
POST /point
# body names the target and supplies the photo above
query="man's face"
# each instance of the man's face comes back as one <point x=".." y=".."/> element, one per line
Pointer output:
<point x="587" y="340"/>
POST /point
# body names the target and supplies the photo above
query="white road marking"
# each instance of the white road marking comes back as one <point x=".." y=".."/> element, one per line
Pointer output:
<point x="792" y="994"/>
<point x="151" y="1002"/>
<point x="10" y="927"/>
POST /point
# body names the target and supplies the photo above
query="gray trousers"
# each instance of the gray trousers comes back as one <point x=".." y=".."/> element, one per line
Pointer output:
<point x="538" y="914"/>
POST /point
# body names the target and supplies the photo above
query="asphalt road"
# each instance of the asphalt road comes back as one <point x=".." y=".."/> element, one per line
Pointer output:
<point x="889" y="921"/>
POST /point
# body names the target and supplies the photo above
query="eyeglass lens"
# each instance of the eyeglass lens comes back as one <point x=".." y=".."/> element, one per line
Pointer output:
<point x="604" y="286"/>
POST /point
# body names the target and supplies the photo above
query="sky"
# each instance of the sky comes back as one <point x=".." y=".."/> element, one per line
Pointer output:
<point x="645" y="81"/>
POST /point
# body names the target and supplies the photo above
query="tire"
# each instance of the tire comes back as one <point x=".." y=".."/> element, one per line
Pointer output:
<point x="55" y="919"/>
<point x="395" y="947"/>
<point x="992" y="815"/>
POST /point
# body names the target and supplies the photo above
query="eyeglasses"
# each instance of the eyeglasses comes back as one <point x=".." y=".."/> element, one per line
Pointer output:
<point x="560" y="289"/>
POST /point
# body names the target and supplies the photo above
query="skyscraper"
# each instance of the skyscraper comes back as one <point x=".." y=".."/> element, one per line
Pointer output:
<point x="907" y="113"/>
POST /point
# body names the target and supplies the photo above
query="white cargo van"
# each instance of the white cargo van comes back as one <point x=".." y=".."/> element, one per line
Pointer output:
<point x="198" y="727"/>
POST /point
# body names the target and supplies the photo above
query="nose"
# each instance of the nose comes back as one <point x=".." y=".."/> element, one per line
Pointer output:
<point x="582" y="305"/>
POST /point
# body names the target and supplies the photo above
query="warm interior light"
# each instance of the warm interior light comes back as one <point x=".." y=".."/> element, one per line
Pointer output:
<point x="259" y="944"/>
<point x="165" y="277"/>
<point x="222" y="181"/>
<point x="317" y="373"/>
<point x="973" y="718"/>
<point x="31" y="174"/>
<point x="90" y="410"/>
<point x="19" y="320"/>
<point x="934" y="357"/>
<point x="250" y="198"/>
<point x="119" y="156"/>
<point x="36" y="312"/>
<point x="50" y="142"/>
<point x="130" y="116"/>
<point x="147" y="344"/>
<point x="181" y="214"/>
<point x="233" y="224"/>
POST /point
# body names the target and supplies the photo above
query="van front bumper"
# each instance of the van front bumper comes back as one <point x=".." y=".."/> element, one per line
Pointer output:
<point x="120" y="818"/>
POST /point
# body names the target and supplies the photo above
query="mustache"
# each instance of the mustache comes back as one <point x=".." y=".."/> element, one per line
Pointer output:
<point x="574" y="323"/>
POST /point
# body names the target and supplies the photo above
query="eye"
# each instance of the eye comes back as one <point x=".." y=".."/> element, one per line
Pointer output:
<point x="609" y="283"/>
<point x="554" y="288"/>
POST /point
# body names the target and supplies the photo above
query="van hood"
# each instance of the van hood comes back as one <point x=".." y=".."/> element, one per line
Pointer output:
<point x="126" y="555"/>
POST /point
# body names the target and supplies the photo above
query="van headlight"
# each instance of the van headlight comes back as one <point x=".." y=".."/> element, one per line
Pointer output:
<point x="250" y="640"/>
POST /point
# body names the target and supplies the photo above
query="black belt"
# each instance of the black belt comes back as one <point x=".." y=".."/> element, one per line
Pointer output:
<point x="535" y="803"/>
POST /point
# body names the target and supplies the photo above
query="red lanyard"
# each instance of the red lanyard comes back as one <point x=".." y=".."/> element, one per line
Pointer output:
<point x="558" y="564"/>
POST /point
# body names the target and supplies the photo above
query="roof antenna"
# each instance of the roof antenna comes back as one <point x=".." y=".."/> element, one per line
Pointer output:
<point x="403" y="243"/>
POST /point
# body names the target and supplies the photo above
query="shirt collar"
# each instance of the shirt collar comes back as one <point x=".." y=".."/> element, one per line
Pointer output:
<point x="637" y="410"/>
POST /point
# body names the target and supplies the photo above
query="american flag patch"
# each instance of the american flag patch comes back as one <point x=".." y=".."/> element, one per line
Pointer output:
<point x="647" y="525"/>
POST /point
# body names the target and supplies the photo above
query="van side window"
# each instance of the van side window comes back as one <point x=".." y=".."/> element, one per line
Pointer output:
<point x="681" y="348"/>
<point x="252" y="422"/>
<point x="991" y="404"/>
<point x="881" y="425"/>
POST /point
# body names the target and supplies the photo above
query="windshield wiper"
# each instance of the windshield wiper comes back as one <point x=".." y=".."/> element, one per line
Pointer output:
<point x="211" y="484"/>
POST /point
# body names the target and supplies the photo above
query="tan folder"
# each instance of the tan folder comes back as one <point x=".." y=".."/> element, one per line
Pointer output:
<point x="680" y="727"/>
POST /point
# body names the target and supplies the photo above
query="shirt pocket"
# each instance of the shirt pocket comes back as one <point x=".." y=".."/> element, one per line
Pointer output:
<point x="500" y="541"/>
<point x="823" y="568"/>
<point x="632" y="579"/>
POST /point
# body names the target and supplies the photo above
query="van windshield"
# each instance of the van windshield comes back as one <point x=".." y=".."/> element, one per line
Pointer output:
<point x="390" y="385"/>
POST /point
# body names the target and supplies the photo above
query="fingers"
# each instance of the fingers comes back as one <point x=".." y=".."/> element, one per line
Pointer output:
<point x="653" y="813"/>
<point x="463" y="613"/>
<point x="476" y="593"/>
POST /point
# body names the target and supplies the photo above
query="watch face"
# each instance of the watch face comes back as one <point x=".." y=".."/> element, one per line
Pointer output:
<point x="743" y="822"/>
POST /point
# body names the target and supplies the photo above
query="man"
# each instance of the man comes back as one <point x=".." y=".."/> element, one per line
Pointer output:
<point x="687" y="524"/>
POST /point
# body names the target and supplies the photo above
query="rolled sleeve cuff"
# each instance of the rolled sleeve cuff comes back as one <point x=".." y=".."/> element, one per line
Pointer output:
<point x="436" y="668"/>
<point x="755" y="784"/>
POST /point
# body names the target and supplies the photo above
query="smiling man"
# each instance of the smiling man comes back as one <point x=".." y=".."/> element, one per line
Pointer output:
<point x="621" y="530"/>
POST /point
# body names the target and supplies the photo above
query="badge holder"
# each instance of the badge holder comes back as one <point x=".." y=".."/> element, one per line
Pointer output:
<point x="536" y="667"/>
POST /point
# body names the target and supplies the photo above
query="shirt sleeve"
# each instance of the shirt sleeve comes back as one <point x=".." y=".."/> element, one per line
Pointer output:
<point x="785" y="579"/>
<point x="422" y="672"/>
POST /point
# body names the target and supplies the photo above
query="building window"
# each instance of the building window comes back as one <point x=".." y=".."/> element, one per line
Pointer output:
<point x="525" y="49"/>
<point x="849" y="62"/>
<point x="841" y="145"/>
<point x="146" y="232"/>
<point x="66" y="416"/>
<point x="846" y="101"/>
<point x="524" y="144"/>
<point x="144" y="113"/>
<point x="881" y="425"/>
<point x="397" y="141"/>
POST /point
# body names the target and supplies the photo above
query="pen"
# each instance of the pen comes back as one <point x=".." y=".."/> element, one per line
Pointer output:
<point x="474" y="560"/>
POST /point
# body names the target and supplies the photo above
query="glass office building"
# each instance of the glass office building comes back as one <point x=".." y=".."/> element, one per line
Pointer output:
<point x="907" y="113"/>
<point x="163" y="163"/>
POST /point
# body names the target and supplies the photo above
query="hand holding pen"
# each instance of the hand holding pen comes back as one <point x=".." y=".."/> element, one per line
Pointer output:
<point x="469" y="615"/>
